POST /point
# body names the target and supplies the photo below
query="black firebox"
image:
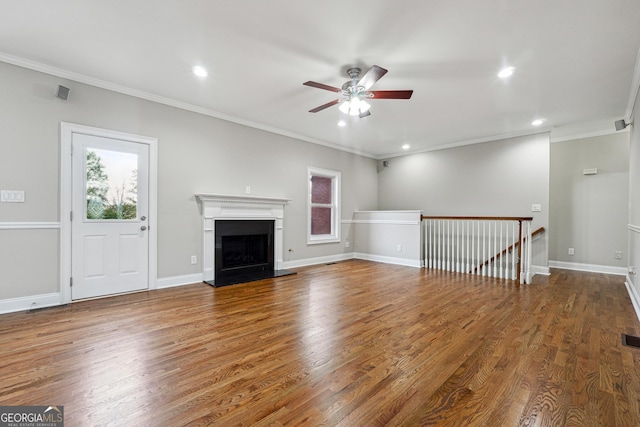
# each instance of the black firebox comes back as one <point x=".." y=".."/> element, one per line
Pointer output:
<point x="243" y="246"/>
<point x="244" y="252"/>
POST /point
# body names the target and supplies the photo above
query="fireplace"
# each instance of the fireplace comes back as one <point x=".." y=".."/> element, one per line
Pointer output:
<point x="243" y="246"/>
<point x="242" y="238"/>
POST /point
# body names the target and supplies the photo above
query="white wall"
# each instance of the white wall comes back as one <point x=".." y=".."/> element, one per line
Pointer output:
<point x="589" y="212"/>
<point x="498" y="178"/>
<point x="395" y="237"/>
<point x="634" y="208"/>
<point x="197" y="154"/>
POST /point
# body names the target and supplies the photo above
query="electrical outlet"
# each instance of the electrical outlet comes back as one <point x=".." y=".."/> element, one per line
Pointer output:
<point x="536" y="207"/>
<point x="571" y="251"/>
<point x="347" y="244"/>
<point x="247" y="189"/>
<point x="617" y="254"/>
<point x="399" y="248"/>
<point x="194" y="259"/>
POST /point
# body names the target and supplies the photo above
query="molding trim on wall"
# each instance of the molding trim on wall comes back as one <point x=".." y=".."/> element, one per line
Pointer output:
<point x="318" y="260"/>
<point x="29" y="225"/>
<point x="379" y="221"/>
<point x="390" y="260"/>
<point x="187" y="279"/>
<point x="634" y="228"/>
<point x="635" y="298"/>
<point x="593" y="268"/>
<point x="114" y="87"/>
<point x="585" y="135"/>
<point x="26" y="303"/>
<point x="635" y="88"/>
<point x="539" y="269"/>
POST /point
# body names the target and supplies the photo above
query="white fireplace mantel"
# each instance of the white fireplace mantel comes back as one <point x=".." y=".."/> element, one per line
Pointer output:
<point x="225" y="206"/>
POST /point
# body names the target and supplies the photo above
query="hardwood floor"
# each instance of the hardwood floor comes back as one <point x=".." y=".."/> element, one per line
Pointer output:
<point x="349" y="344"/>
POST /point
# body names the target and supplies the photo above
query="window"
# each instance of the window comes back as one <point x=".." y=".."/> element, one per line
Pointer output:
<point x="324" y="206"/>
<point x="111" y="187"/>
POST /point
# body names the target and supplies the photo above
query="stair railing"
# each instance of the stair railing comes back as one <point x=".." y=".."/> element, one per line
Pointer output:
<point x="488" y="246"/>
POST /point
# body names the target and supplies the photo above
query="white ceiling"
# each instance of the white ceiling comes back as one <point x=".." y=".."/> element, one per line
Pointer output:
<point x="574" y="61"/>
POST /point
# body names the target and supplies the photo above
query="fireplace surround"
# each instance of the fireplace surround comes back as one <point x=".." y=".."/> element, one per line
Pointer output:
<point x="217" y="211"/>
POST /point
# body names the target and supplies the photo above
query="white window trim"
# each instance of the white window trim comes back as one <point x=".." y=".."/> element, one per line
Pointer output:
<point x="335" y="219"/>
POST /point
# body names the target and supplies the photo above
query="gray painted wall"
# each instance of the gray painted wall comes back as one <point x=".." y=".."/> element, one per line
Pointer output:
<point x="590" y="211"/>
<point x="634" y="202"/>
<point x="201" y="154"/>
<point x="196" y="154"/>
<point x="499" y="178"/>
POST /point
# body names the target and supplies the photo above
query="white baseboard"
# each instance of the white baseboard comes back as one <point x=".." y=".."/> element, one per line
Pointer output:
<point x="390" y="260"/>
<point x="29" y="303"/>
<point x="352" y="255"/>
<point x="316" y="261"/>
<point x="633" y="294"/>
<point x="539" y="269"/>
<point x="593" y="268"/>
<point x="187" y="279"/>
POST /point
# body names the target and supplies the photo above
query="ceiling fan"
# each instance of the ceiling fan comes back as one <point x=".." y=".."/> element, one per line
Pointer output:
<point x="354" y="93"/>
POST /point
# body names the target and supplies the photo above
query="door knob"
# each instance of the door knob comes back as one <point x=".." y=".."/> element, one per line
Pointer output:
<point x="142" y="218"/>
<point x="144" y="227"/>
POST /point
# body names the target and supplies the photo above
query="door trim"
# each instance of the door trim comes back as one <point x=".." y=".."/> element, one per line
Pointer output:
<point x="66" y="134"/>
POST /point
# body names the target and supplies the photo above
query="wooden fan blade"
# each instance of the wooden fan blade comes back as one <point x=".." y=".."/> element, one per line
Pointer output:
<point x="321" y="86"/>
<point x="391" y="94"/>
<point x="327" y="105"/>
<point x="373" y="75"/>
<point x="365" y="114"/>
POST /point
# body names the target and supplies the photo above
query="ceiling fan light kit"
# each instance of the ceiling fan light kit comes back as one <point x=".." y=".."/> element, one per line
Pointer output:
<point x="354" y="92"/>
<point x="355" y="106"/>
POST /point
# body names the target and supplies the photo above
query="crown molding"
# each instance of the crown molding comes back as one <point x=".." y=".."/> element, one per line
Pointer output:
<point x="103" y="84"/>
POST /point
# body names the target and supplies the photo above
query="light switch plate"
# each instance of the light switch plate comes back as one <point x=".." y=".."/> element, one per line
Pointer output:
<point x="11" y="196"/>
<point x="536" y="207"/>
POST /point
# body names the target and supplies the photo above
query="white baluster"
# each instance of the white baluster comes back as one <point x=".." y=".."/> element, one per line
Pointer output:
<point x="449" y="245"/>
<point x="468" y="239"/>
<point x="529" y="243"/>
<point x="440" y="245"/>
<point x="457" y="246"/>
<point x="513" y="251"/>
<point x="484" y="246"/>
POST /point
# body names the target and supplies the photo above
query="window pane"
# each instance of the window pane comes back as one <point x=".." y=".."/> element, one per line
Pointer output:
<point x="112" y="184"/>
<point x="320" y="221"/>
<point x="321" y="189"/>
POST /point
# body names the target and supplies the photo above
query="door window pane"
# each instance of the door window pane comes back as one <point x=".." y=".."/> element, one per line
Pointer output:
<point x="111" y="184"/>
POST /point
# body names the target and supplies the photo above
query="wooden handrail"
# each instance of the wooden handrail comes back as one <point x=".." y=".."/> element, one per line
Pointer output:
<point x="481" y="218"/>
<point x="509" y="249"/>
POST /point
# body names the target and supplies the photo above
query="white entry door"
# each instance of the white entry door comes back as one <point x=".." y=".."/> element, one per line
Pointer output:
<point x="110" y="208"/>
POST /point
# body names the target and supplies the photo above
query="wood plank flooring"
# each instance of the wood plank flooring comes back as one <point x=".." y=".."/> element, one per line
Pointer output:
<point x="354" y="343"/>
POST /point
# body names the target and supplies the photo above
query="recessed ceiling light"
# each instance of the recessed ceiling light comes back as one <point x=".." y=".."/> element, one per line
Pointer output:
<point x="406" y="146"/>
<point x="506" y="72"/>
<point x="200" y="71"/>
<point x="342" y="123"/>
<point x="537" y="122"/>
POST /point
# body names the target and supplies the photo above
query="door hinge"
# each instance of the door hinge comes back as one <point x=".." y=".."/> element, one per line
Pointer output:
<point x="71" y="281"/>
<point x="71" y="216"/>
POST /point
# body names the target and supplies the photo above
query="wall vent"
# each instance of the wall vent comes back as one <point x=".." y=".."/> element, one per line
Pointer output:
<point x="630" y="341"/>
